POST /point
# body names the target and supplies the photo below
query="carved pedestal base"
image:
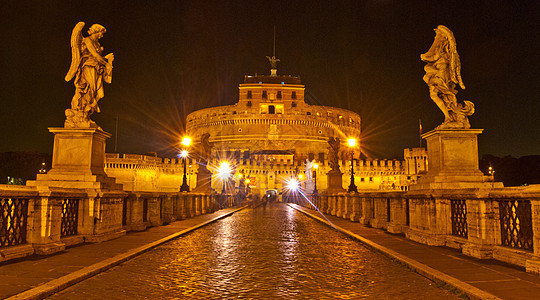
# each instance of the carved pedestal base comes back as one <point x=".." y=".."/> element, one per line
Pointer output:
<point x="453" y="161"/>
<point x="78" y="160"/>
<point x="204" y="180"/>
<point x="427" y="238"/>
<point x="102" y="237"/>
<point x="335" y="183"/>
<point x="48" y="248"/>
<point x="477" y="250"/>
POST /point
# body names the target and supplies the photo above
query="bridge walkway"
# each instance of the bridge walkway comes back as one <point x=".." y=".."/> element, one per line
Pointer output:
<point x="480" y="279"/>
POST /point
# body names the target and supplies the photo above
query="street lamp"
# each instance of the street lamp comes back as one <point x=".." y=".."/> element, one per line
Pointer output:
<point x="352" y="186"/>
<point x="224" y="171"/>
<point x="315" y="166"/>
<point x="184" y="154"/>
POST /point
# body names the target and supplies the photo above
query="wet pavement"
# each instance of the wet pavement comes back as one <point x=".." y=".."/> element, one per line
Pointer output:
<point x="270" y="253"/>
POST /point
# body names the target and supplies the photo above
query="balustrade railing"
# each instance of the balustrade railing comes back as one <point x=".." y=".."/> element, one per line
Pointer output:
<point x="458" y="210"/>
<point x="516" y="224"/>
<point x="70" y="217"/>
<point x="13" y="221"/>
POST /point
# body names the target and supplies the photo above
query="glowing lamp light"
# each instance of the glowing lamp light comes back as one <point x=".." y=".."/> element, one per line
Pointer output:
<point x="186" y="141"/>
<point x="300" y="176"/>
<point x="247" y="180"/>
<point x="224" y="169"/>
<point x="293" y="185"/>
<point x="315" y="166"/>
<point x="184" y="153"/>
<point x="240" y="176"/>
<point x="352" y="142"/>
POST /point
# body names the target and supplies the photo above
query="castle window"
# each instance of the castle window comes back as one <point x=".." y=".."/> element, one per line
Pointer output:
<point x="249" y="103"/>
<point x="279" y="94"/>
<point x="293" y="104"/>
<point x="271" y="109"/>
<point x="249" y="95"/>
<point x="308" y="113"/>
<point x="265" y="95"/>
<point x="234" y="112"/>
<point x="293" y="96"/>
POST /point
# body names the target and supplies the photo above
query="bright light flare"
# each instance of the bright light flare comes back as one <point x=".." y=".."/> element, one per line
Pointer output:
<point x="186" y="141"/>
<point x="315" y="166"/>
<point x="300" y="176"/>
<point x="184" y="153"/>
<point x="224" y="170"/>
<point x="293" y="185"/>
<point x="352" y="142"/>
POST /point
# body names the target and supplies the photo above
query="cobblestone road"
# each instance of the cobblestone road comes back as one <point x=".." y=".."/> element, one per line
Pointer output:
<point x="272" y="253"/>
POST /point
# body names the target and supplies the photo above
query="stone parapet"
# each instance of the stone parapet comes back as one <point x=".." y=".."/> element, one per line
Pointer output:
<point x="485" y="223"/>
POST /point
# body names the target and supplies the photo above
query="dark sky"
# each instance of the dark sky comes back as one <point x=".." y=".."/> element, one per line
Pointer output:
<point x="174" y="57"/>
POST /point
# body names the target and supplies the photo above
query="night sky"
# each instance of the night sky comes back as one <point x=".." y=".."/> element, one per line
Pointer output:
<point x="174" y="57"/>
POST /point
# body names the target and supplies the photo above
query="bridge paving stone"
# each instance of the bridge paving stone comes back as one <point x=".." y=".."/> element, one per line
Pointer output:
<point x="272" y="253"/>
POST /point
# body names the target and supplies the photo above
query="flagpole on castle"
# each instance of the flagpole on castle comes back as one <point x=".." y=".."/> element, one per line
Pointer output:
<point x="420" y="127"/>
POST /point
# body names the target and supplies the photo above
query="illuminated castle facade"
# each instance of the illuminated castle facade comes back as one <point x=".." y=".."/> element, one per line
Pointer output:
<point x="266" y="137"/>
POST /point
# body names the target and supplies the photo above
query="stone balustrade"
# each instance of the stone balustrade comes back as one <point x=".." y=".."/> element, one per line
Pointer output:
<point x="485" y="223"/>
<point x="44" y="220"/>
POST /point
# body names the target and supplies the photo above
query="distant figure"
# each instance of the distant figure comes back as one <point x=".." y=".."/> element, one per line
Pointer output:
<point x="273" y="62"/>
<point x="205" y="148"/>
<point x="309" y="165"/>
<point x="90" y="69"/>
<point x="333" y="150"/>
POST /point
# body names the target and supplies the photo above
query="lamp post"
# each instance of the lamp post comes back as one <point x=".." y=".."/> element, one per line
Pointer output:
<point x="185" y="141"/>
<point x="352" y="186"/>
<point x="315" y="166"/>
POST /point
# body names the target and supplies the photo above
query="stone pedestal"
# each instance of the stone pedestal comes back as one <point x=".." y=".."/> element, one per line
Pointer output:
<point x="335" y="182"/>
<point x="78" y="160"/>
<point x="453" y="161"/>
<point x="308" y="189"/>
<point x="204" y="180"/>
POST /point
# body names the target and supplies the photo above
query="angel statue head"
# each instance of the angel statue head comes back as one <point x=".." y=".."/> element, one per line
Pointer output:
<point x="90" y="69"/>
<point x="96" y="28"/>
<point x="443" y="74"/>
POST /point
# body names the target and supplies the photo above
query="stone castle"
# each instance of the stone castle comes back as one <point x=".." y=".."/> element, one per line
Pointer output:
<point x="267" y="136"/>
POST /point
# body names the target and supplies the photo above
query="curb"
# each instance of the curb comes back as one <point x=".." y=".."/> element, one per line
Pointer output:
<point x="418" y="267"/>
<point x="56" y="285"/>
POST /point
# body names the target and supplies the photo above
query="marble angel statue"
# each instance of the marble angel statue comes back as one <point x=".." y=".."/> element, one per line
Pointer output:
<point x="443" y="74"/>
<point x="90" y="69"/>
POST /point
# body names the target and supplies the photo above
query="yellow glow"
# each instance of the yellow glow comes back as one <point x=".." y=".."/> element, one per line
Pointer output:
<point x="300" y="176"/>
<point x="315" y="166"/>
<point x="352" y="142"/>
<point x="186" y="141"/>
<point x="239" y="175"/>
<point x="247" y="180"/>
<point x="184" y="153"/>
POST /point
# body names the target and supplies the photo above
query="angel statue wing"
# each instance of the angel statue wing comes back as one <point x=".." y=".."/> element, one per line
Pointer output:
<point x="76" y="41"/>
<point x="455" y="63"/>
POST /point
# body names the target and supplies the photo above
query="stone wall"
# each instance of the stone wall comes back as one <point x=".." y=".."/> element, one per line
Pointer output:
<point x="53" y="218"/>
<point x="496" y="223"/>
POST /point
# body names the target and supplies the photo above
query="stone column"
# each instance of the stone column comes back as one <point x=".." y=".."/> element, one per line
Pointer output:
<point x="533" y="265"/>
<point x="366" y="210"/>
<point x="482" y="221"/>
<point x="45" y="222"/>
<point x="356" y="208"/>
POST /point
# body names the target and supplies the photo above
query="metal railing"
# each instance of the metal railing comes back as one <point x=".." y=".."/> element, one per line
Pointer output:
<point x="70" y="217"/>
<point x="516" y="224"/>
<point x="13" y="221"/>
<point x="458" y="209"/>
